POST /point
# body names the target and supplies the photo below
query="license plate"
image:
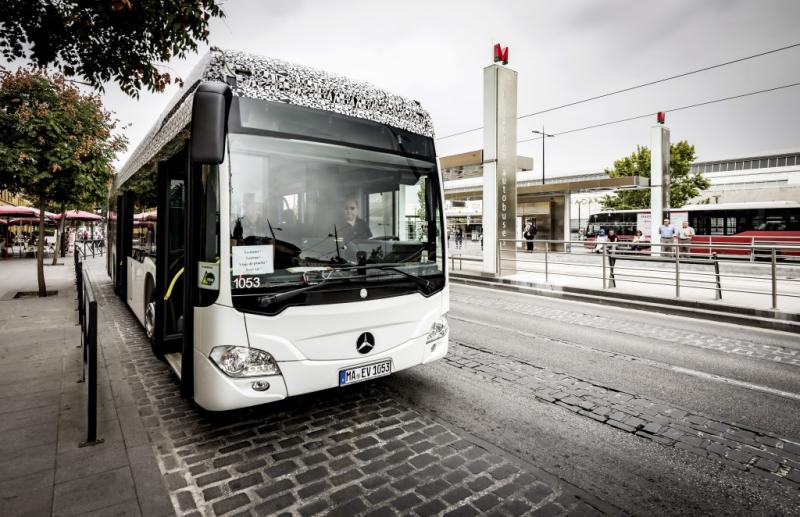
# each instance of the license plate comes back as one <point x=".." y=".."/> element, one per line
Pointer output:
<point x="365" y="372"/>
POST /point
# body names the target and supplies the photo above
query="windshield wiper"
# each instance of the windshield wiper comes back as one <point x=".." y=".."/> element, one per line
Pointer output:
<point x="269" y="299"/>
<point x="392" y="267"/>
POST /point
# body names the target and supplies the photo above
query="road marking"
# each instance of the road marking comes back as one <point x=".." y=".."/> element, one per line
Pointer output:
<point x="641" y="360"/>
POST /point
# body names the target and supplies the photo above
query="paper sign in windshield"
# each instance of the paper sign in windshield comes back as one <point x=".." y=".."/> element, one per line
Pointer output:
<point x="253" y="260"/>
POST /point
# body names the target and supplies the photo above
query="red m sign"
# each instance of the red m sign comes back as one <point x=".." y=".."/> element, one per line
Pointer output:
<point x="500" y="54"/>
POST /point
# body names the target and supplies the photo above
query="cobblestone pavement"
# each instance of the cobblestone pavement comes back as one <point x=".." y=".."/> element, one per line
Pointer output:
<point x="708" y="341"/>
<point x="352" y="451"/>
<point x="745" y="448"/>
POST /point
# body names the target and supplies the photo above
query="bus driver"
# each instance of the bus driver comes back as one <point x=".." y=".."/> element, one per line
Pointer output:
<point x="354" y="227"/>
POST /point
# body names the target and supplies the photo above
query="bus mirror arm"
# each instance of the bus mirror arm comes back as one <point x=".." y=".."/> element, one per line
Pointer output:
<point x="210" y="108"/>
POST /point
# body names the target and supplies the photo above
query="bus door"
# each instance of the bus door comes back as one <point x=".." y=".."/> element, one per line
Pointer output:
<point x="123" y="244"/>
<point x="170" y="256"/>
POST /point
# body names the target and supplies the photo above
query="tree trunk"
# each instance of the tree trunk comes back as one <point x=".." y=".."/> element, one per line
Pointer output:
<point x="59" y="235"/>
<point x="40" y="251"/>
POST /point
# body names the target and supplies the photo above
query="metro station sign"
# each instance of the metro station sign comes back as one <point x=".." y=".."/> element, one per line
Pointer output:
<point x="500" y="54"/>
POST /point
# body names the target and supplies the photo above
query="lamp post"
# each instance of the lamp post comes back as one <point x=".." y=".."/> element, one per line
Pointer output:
<point x="545" y="136"/>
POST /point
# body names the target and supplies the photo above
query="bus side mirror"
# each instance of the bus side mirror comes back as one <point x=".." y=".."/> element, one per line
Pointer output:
<point x="210" y="107"/>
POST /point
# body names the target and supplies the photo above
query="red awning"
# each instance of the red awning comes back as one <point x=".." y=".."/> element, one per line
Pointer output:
<point x="18" y="211"/>
<point x="80" y="215"/>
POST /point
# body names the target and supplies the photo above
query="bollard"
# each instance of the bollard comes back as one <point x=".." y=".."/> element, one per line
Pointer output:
<point x="604" y="265"/>
<point x="774" y="280"/>
<point x="677" y="274"/>
<point x="546" y="250"/>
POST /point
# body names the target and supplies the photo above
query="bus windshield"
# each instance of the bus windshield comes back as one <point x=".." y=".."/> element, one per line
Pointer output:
<point x="301" y="211"/>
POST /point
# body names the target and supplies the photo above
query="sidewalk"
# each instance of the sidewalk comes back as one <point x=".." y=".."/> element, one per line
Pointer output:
<point x="43" y="471"/>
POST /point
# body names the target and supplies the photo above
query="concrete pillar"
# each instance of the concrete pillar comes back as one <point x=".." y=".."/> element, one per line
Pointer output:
<point x="659" y="180"/>
<point x="499" y="165"/>
<point x="567" y="216"/>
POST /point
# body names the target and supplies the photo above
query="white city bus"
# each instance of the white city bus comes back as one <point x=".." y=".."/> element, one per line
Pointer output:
<point x="279" y="231"/>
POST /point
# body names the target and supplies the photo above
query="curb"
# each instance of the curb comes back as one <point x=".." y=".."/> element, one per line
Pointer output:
<point x="774" y="320"/>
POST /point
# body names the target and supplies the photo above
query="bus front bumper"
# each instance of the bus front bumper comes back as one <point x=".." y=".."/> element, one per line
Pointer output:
<point x="219" y="392"/>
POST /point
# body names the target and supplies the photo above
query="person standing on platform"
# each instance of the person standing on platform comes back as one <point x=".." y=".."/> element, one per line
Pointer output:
<point x="685" y="235"/>
<point x="638" y="239"/>
<point x="667" y="233"/>
<point x="528" y="234"/>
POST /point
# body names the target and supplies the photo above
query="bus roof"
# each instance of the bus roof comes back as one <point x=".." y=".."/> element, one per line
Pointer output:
<point x="264" y="78"/>
<point x="752" y="205"/>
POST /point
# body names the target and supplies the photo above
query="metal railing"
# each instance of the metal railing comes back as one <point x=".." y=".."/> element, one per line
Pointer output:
<point x="774" y="272"/>
<point x="94" y="245"/>
<point x="87" y="319"/>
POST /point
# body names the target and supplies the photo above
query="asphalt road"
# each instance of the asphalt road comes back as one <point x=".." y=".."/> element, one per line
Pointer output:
<point x="507" y="348"/>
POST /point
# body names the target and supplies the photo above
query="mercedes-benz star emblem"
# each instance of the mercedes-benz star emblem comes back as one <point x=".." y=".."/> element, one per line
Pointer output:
<point x="365" y="343"/>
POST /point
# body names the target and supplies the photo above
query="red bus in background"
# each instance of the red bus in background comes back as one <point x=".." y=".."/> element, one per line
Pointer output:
<point x="767" y="223"/>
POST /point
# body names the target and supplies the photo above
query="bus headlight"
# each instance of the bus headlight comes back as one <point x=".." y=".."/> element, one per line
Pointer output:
<point x="438" y="329"/>
<point x="241" y="361"/>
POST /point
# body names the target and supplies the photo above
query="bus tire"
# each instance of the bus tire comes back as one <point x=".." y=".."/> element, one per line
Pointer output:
<point x="150" y="317"/>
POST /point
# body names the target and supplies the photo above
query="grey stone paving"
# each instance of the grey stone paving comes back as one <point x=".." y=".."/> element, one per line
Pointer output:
<point x="708" y="341"/>
<point x="745" y="448"/>
<point x="43" y="471"/>
<point x="352" y="451"/>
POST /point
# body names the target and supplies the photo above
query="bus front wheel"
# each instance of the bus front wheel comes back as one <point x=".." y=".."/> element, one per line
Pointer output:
<point x="150" y="321"/>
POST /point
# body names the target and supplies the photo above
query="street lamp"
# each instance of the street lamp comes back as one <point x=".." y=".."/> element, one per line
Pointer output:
<point x="545" y="136"/>
<point x="579" y="202"/>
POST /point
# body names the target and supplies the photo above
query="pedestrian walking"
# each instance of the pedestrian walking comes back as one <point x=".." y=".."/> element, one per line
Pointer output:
<point x="459" y="237"/>
<point x="685" y="235"/>
<point x="667" y="234"/>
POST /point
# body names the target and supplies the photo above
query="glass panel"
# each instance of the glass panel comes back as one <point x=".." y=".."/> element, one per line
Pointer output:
<point x="176" y="198"/>
<point x="717" y="226"/>
<point x="209" y="228"/>
<point x="297" y="120"/>
<point x="382" y="219"/>
<point x="771" y="162"/>
<point x="143" y="190"/>
<point x="781" y="162"/>
<point x="304" y="209"/>
<point x="747" y="164"/>
<point x="731" y="225"/>
<point x="716" y="167"/>
<point x="738" y="166"/>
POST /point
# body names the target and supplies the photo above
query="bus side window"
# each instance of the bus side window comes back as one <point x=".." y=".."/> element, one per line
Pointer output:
<point x="209" y="226"/>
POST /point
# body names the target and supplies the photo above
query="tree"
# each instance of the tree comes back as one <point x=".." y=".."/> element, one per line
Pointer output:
<point x="101" y="41"/>
<point x="683" y="185"/>
<point x="56" y="145"/>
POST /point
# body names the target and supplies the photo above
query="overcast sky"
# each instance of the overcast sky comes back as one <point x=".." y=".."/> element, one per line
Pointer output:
<point x="435" y="51"/>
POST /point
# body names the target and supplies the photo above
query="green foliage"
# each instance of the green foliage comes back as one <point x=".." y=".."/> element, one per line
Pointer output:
<point x="56" y="145"/>
<point x="683" y="185"/>
<point x="101" y="41"/>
